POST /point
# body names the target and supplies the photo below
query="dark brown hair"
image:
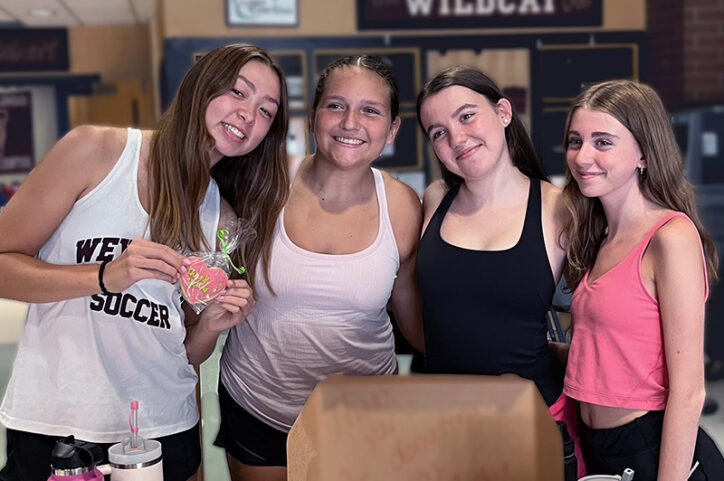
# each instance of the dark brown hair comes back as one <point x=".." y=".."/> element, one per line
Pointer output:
<point x="516" y="136"/>
<point x="369" y="62"/>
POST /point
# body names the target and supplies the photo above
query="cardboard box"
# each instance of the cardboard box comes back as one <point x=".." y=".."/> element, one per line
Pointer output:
<point x="425" y="428"/>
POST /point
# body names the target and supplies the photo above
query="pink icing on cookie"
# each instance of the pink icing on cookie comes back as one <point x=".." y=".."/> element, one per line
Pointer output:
<point x="202" y="283"/>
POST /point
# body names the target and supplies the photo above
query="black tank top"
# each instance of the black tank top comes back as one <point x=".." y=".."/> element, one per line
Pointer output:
<point x="484" y="311"/>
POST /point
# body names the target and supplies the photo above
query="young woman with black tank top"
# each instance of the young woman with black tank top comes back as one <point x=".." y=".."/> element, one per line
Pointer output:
<point x="489" y="258"/>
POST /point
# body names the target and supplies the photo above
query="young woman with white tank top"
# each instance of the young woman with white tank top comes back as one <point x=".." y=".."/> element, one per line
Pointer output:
<point x="93" y="241"/>
<point x="344" y="247"/>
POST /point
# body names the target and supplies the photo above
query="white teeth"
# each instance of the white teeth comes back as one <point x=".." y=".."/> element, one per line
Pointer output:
<point x="348" y="141"/>
<point x="233" y="130"/>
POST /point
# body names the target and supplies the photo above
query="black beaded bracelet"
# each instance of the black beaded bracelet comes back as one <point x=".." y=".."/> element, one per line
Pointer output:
<point x="100" y="278"/>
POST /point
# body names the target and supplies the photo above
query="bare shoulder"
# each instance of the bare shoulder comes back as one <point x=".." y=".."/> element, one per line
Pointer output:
<point x="99" y="143"/>
<point x="552" y="199"/>
<point x="82" y="158"/>
<point x="434" y="194"/>
<point x="678" y="236"/>
<point x="405" y="211"/>
<point x="74" y="166"/>
<point x="401" y="195"/>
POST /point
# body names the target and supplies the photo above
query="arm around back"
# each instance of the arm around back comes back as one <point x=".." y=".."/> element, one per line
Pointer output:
<point x="406" y="217"/>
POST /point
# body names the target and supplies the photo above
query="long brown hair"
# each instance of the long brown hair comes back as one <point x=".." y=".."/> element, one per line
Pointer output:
<point x="638" y="108"/>
<point x="255" y="184"/>
<point x="519" y="144"/>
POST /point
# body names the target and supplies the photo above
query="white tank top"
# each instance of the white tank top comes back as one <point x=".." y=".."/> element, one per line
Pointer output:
<point x="80" y="362"/>
<point x="329" y="317"/>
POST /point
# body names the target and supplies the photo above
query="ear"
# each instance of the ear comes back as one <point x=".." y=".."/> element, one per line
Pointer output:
<point x="394" y="128"/>
<point x="642" y="162"/>
<point x="505" y="111"/>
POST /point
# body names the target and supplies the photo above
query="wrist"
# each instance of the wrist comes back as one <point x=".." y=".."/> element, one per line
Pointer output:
<point x="101" y="274"/>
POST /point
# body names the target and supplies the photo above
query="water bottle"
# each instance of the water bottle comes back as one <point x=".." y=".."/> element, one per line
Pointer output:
<point x="136" y="459"/>
<point x="570" y="465"/>
<point x="73" y="460"/>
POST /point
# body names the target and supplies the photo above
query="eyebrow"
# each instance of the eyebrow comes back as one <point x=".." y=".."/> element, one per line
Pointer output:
<point x="593" y="134"/>
<point x="453" y="115"/>
<point x="364" y="101"/>
<point x="252" y="87"/>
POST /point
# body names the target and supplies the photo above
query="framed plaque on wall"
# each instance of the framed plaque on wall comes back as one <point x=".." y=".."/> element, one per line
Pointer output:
<point x="262" y="13"/>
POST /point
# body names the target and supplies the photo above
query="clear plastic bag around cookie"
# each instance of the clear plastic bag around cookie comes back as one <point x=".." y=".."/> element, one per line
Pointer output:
<point x="206" y="277"/>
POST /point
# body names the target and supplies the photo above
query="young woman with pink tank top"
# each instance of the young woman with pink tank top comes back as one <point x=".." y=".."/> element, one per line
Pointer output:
<point x="640" y="262"/>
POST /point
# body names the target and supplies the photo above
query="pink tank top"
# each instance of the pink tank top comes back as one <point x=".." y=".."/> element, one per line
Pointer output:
<point x="617" y="353"/>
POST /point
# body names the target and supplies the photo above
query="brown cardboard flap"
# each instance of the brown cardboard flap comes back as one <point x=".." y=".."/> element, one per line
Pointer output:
<point x="425" y="428"/>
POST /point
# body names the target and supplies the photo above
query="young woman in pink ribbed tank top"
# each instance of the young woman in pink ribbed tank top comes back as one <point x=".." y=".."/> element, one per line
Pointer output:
<point x="638" y="261"/>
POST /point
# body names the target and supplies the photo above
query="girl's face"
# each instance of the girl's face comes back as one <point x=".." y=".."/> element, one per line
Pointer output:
<point x="352" y="122"/>
<point x="602" y="155"/>
<point x="467" y="132"/>
<point x="238" y="120"/>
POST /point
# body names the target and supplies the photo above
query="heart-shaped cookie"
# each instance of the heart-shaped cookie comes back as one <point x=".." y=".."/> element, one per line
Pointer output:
<point x="202" y="283"/>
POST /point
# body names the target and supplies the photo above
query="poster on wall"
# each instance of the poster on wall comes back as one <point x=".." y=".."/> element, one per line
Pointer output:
<point x="261" y="13"/>
<point x="16" y="133"/>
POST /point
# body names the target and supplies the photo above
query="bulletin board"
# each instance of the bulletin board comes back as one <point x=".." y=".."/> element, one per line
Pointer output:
<point x="16" y="133"/>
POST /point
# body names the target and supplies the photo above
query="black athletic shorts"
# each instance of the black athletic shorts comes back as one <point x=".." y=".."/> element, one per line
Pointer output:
<point x="28" y="455"/>
<point x="246" y="438"/>
<point x="636" y="445"/>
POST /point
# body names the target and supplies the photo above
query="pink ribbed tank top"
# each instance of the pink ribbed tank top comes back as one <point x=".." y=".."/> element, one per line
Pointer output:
<point x="617" y="353"/>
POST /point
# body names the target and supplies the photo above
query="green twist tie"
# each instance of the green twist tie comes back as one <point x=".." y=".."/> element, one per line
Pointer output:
<point x="222" y="234"/>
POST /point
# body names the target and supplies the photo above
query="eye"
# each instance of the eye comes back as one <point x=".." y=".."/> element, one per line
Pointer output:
<point x="467" y="116"/>
<point x="603" y="143"/>
<point x="266" y="113"/>
<point x="436" y="134"/>
<point x="238" y="93"/>
<point x="370" y="110"/>
<point x="334" y="106"/>
<point x="573" y="143"/>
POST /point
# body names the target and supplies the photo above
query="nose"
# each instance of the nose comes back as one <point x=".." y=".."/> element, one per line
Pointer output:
<point x="246" y="117"/>
<point x="350" y="120"/>
<point x="581" y="157"/>
<point x="455" y="137"/>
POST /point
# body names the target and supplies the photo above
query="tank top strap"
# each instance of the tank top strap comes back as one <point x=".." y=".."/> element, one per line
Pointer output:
<point x="381" y="198"/>
<point x="532" y="225"/>
<point x="439" y="215"/>
<point x="641" y="247"/>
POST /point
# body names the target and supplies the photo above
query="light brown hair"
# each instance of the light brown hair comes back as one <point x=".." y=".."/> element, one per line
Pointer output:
<point x="255" y="184"/>
<point x="638" y="108"/>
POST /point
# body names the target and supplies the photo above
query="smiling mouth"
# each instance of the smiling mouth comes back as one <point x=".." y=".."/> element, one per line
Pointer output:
<point x="234" y="131"/>
<point x="588" y="175"/>
<point x="467" y="152"/>
<point x="348" y="141"/>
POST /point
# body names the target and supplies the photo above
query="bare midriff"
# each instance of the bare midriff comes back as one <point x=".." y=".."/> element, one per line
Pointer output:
<point x="605" y="417"/>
